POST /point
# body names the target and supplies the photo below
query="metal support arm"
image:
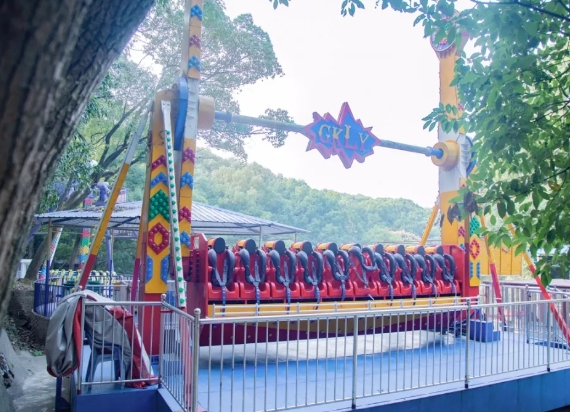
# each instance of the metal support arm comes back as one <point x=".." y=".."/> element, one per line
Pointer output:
<point x="297" y="128"/>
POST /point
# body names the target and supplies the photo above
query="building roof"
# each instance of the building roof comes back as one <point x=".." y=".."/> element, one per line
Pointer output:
<point x="205" y="219"/>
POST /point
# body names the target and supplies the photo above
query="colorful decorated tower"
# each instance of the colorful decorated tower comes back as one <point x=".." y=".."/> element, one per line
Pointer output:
<point x="455" y="166"/>
<point x="85" y="236"/>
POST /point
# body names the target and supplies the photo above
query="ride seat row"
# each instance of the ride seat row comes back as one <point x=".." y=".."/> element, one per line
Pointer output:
<point x="359" y="284"/>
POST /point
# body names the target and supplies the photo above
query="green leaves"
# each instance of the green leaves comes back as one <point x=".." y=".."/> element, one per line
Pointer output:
<point x="276" y="3"/>
<point x="350" y="6"/>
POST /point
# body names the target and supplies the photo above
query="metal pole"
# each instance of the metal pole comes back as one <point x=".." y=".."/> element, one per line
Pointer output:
<point x="195" y="358"/>
<point x="82" y="333"/>
<point x="555" y="314"/>
<point x="109" y="207"/>
<point x="468" y="338"/>
<point x="112" y="265"/>
<point x="256" y="121"/>
<point x="161" y="341"/>
<point x="297" y="128"/>
<point x="526" y="316"/>
<point x="46" y="291"/>
<point x="354" y="359"/>
<point x="547" y="339"/>
<point x="430" y="223"/>
<point x="494" y="274"/>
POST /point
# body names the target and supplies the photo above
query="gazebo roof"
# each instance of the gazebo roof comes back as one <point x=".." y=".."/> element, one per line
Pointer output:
<point x="205" y="218"/>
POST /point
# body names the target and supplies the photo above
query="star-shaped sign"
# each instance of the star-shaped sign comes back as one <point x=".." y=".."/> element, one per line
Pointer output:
<point x="346" y="137"/>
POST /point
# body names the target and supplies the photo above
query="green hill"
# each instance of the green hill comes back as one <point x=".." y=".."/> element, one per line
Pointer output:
<point x="328" y="215"/>
<point x="254" y="190"/>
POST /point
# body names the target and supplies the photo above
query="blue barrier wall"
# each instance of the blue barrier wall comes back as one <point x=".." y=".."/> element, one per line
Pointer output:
<point x="538" y="393"/>
<point x="123" y="401"/>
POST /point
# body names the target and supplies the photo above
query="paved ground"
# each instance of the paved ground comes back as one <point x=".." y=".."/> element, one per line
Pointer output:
<point x="32" y="389"/>
<point x="38" y="386"/>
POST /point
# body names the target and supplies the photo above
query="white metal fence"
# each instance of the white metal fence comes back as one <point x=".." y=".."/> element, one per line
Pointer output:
<point x="179" y="355"/>
<point x="449" y="347"/>
<point x="113" y="352"/>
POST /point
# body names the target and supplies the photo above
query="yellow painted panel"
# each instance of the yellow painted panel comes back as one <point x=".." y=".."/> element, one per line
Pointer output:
<point x="270" y="309"/>
<point x="156" y="284"/>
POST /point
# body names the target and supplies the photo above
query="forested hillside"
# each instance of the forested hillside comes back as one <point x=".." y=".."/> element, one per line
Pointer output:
<point x="328" y="215"/>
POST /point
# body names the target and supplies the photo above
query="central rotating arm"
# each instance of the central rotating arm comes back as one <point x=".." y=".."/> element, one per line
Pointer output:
<point x="297" y="128"/>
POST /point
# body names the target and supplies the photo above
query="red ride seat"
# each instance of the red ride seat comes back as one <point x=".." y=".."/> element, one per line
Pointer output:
<point x="445" y="270"/>
<point x="361" y="273"/>
<point x="386" y="269"/>
<point x="446" y="273"/>
<point x="254" y="268"/>
<point x="216" y="262"/>
<point x="404" y="276"/>
<point x="314" y="266"/>
<point x="278" y="265"/>
<point x="334" y="286"/>
<point x="423" y="288"/>
<point x="361" y="289"/>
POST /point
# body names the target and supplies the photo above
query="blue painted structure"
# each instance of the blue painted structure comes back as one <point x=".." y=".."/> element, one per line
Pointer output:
<point x="545" y="391"/>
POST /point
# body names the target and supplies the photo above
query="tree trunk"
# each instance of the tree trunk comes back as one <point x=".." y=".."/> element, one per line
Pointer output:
<point x="54" y="55"/>
<point x="37" y="261"/>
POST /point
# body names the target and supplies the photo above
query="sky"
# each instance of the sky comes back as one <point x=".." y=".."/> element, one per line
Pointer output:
<point x="377" y="62"/>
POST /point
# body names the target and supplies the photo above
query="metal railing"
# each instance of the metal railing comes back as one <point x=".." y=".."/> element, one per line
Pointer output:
<point x="519" y="293"/>
<point x="266" y="363"/>
<point x="119" y="333"/>
<point x="513" y="293"/>
<point x="178" y="349"/>
<point x="46" y="297"/>
<point x="442" y="346"/>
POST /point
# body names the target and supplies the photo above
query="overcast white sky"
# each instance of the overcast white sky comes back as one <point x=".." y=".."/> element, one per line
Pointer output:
<point x="378" y="62"/>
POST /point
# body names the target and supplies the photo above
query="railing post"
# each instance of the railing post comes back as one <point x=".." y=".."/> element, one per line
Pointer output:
<point x="467" y="333"/>
<point x="82" y="333"/>
<point x="526" y="316"/>
<point x="354" y="359"/>
<point x="195" y="358"/>
<point x="161" y="340"/>
<point x="548" y="333"/>
<point x="37" y="294"/>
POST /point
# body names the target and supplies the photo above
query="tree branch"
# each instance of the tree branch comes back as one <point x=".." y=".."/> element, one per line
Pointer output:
<point x="564" y="5"/>
<point x="525" y="5"/>
<point x="116" y="127"/>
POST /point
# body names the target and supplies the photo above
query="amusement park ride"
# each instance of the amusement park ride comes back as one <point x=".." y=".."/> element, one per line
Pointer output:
<point x="253" y="280"/>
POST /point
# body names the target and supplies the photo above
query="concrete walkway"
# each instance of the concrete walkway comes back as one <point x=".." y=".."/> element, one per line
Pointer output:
<point x="33" y="389"/>
<point x="38" y="387"/>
